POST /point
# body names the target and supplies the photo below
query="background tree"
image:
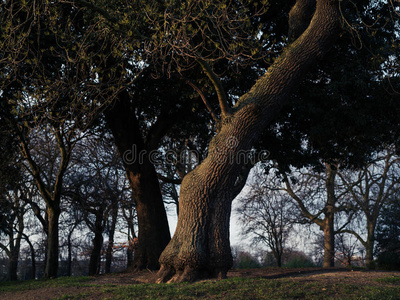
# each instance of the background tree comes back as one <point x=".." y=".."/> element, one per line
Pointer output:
<point x="196" y="248"/>
<point x="57" y="49"/>
<point x="371" y="188"/>
<point x="180" y="35"/>
<point x="266" y="216"/>
<point x="319" y="197"/>
<point x="13" y="209"/>
<point x="388" y="233"/>
<point x="96" y="183"/>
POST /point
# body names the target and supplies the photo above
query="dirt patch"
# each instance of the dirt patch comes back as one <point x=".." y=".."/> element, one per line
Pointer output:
<point x="330" y="276"/>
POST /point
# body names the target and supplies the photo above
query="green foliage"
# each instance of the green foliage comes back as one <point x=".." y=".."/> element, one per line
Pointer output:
<point x="390" y="279"/>
<point x="37" y="284"/>
<point x="245" y="260"/>
<point x="299" y="260"/>
<point x="347" y="107"/>
<point x="388" y="237"/>
<point x="235" y="288"/>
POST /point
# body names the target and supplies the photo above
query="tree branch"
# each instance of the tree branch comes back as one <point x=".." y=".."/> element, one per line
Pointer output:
<point x="169" y="180"/>
<point x="304" y="210"/>
<point x="205" y="101"/>
<point x="109" y="17"/>
<point x="355" y="234"/>
<point x="223" y="102"/>
<point x="299" y="17"/>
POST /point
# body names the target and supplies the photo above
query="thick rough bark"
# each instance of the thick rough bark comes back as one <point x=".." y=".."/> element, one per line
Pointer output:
<point x="299" y="17"/>
<point x="153" y="233"/>
<point x="200" y="246"/>
<point x="53" y="213"/>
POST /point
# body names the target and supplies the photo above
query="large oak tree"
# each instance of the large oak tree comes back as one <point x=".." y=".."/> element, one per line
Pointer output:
<point x="200" y="246"/>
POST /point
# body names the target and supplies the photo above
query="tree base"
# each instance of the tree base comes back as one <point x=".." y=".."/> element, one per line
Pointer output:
<point x="188" y="274"/>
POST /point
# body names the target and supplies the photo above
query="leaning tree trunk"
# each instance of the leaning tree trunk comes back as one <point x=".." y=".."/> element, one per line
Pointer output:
<point x="200" y="246"/>
<point x="53" y="214"/>
<point x="153" y="233"/>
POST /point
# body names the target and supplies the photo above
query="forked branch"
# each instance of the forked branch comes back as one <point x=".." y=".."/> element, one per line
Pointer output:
<point x="223" y="101"/>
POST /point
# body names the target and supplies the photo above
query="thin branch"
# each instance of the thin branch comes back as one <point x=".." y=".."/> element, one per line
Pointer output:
<point x="205" y="100"/>
<point x="169" y="180"/>
<point x="355" y="234"/>
<point x="108" y="16"/>
<point x="289" y="190"/>
<point x="223" y="101"/>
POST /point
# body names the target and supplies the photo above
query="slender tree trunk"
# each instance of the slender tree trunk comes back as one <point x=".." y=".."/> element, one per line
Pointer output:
<point x="33" y="258"/>
<point x="153" y="226"/>
<point x="278" y="258"/>
<point x="369" y="256"/>
<point x="95" y="256"/>
<point x="130" y="248"/>
<point x="110" y="245"/>
<point x="13" y="266"/>
<point x="200" y="246"/>
<point x="329" y="242"/>
<point x="13" y="255"/>
<point x="53" y="213"/>
<point x="129" y="255"/>
<point x="328" y="222"/>
<point x="69" y="262"/>
<point x="15" y="247"/>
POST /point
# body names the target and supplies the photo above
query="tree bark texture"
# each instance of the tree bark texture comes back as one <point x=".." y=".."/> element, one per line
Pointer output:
<point x="154" y="232"/>
<point x="53" y="213"/>
<point x="200" y="246"/>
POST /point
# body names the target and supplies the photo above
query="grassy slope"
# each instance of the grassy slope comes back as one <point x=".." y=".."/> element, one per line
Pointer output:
<point x="235" y="288"/>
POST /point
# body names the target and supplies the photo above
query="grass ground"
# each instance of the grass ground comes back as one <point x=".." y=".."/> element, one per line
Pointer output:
<point x="317" y="284"/>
